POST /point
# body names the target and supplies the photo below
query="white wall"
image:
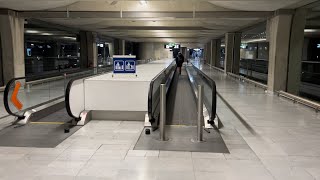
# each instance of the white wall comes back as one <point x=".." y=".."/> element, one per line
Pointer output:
<point x="155" y="51"/>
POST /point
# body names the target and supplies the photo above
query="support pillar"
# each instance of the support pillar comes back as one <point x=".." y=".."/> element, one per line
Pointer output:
<point x="184" y="52"/>
<point x="279" y="29"/>
<point x="211" y="53"/>
<point x="1" y="66"/>
<point x="88" y="50"/>
<point x="116" y="47"/>
<point x="12" y="45"/>
<point x="208" y="54"/>
<point x="232" y="59"/>
<point x="236" y="53"/>
<point x="123" y="47"/>
<point x="205" y="52"/>
<point x="146" y="51"/>
<point x="215" y="49"/>
<point x="111" y="49"/>
<point x="92" y="50"/>
<point x="229" y="37"/>
<point x="296" y="48"/>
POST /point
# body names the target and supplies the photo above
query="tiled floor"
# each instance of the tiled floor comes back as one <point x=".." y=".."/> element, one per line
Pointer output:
<point x="103" y="150"/>
<point x="280" y="141"/>
<point x="284" y="136"/>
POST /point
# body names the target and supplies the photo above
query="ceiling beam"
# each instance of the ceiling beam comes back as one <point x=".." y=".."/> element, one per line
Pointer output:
<point x="7" y="12"/>
<point x="311" y="4"/>
<point x="165" y="40"/>
<point x="187" y="28"/>
<point x="130" y="14"/>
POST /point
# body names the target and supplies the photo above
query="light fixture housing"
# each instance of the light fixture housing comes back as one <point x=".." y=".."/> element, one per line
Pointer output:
<point x="143" y="2"/>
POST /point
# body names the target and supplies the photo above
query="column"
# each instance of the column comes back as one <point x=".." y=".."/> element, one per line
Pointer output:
<point x="212" y="53"/>
<point x="229" y="41"/>
<point x="88" y="49"/>
<point x="146" y="50"/>
<point x="123" y="47"/>
<point x="12" y="41"/>
<point x="184" y="52"/>
<point x="116" y="45"/>
<point x="111" y="49"/>
<point x="92" y="50"/>
<point x="215" y="49"/>
<point x="208" y="57"/>
<point x="232" y="59"/>
<point x="1" y="66"/>
<point x="296" y="48"/>
<point x="204" y="55"/>
<point x="279" y="29"/>
<point x="236" y="53"/>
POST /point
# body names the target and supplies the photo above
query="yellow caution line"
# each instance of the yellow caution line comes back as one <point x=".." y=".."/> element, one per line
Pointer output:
<point x="52" y="123"/>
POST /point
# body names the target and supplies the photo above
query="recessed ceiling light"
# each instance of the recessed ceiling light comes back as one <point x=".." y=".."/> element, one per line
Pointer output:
<point x="113" y="3"/>
<point x="67" y="37"/>
<point x="32" y="31"/>
<point x="46" y="34"/>
<point x="143" y="2"/>
<point x="310" y="30"/>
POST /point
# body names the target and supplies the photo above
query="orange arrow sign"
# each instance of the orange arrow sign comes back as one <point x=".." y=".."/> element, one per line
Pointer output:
<point x="14" y="99"/>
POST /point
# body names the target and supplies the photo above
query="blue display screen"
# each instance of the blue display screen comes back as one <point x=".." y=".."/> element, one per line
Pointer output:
<point x="29" y="52"/>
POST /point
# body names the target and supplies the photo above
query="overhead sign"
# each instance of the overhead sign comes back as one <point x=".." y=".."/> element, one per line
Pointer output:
<point x="124" y="64"/>
<point x="172" y="46"/>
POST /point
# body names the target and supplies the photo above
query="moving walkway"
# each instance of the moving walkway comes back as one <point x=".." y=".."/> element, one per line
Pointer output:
<point x="184" y="118"/>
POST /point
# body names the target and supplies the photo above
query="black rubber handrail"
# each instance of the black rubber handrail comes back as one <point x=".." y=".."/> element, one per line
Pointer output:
<point x="57" y="74"/>
<point x="67" y="98"/>
<point x="212" y="83"/>
<point x="150" y="94"/>
<point x="6" y="98"/>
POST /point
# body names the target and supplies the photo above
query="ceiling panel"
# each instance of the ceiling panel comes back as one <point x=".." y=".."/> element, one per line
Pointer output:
<point x="159" y="20"/>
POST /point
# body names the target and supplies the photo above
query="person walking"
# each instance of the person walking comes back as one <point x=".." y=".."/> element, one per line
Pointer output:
<point x="179" y="61"/>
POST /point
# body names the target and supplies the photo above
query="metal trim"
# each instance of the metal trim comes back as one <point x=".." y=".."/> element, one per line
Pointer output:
<point x="300" y="100"/>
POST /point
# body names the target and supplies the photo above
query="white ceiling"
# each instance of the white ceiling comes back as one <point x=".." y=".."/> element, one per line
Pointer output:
<point x="246" y="5"/>
<point x="167" y="23"/>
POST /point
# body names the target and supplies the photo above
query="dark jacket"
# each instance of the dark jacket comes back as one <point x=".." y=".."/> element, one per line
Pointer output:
<point x="179" y="60"/>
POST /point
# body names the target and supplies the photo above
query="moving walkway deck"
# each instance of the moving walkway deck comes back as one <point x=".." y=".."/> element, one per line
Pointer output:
<point x="181" y="104"/>
<point x="182" y="117"/>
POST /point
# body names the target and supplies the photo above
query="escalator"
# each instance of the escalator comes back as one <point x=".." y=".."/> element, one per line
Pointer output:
<point x="181" y="116"/>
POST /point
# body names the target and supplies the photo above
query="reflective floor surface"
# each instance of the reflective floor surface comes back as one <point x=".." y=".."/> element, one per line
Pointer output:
<point x="275" y="140"/>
